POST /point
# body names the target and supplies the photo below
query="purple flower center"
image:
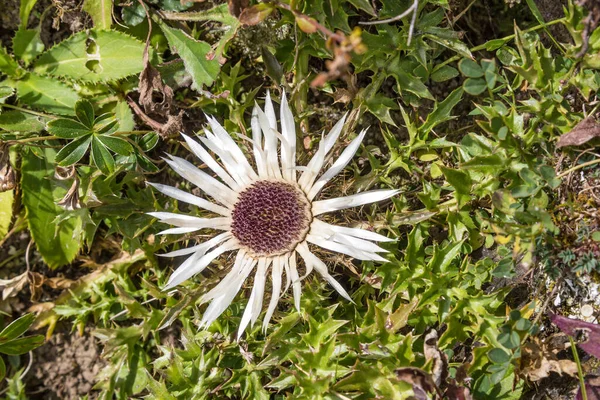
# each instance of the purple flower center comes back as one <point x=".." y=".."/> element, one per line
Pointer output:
<point x="271" y="218"/>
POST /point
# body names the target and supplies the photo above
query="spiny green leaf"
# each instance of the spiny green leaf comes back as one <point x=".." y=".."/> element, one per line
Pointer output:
<point x="442" y="111"/>
<point x="56" y="244"/>
<point x="27" y="44"/>
<point x="194" y="55"/>
<point x="47" y="94"/>
<point x="18" y="121"/>
<point x="94" y="56"/>
<point x="459" y="179"/>
<point x="74" y="151"/>
<point x="100" y="11"/>
<point x="8" y="65"/>
<point x="67" y="128"/>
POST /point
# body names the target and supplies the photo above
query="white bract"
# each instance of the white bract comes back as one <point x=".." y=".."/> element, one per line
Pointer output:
<point x="267" y="215"/>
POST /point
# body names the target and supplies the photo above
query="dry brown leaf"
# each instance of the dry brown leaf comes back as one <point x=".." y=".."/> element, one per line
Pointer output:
<point x="583" y="132"/>
<point x="422" y="383"/>
<point x="439" y="367"/>
<point x="237" y="6"/>
<point x="11" y="287"/>
<point x="256" y="14"/>
<point x="7" y="174"/>
<point x="539" y="359"/>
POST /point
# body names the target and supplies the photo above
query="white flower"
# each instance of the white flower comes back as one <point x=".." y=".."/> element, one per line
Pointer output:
<point x="267" y="215"/>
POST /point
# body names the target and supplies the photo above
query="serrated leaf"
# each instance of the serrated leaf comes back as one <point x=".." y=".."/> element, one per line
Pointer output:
<point x="5" y="93"/>
<point x="408" y="82"/>
<point x="118" y="145"/>
<point x="17" y="327"/>
<point x="442" y="111"/>
<point x="65" y="128"/>
<point x="21" y="346"/>
<point x="74" y="151"/>
<point x="461" y="181"/>
<point x="7" y="64"/>
<point x="18" y="121"/>
<point x="56" y="244"/>
<point x="94" y="56"/>
<point x="124" y="116"/>
<point x="27" y="44"/>
<point x="194" y="55"/>
<point x="100" y="11"/>
<point x="47" y="94"/>
<point x="102" y="157"/>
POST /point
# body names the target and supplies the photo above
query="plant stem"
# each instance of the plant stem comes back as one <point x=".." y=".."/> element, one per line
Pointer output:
<point x="32" y="139"/>
<point x="579" y="369"/>
<point x="575" y="168"/>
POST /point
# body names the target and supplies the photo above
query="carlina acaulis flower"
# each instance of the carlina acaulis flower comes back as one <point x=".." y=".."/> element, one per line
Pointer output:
<point x="267" y="215"/>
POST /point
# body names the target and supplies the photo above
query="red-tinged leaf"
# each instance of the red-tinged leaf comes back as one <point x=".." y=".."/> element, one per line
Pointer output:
<point x="586" y="333"/>
<point x="583" y="132"/>
<point x="256" y="14"/>
<point x="306" y="24"/>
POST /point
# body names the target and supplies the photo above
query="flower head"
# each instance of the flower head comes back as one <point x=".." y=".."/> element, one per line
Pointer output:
<point x="268" y="215"/>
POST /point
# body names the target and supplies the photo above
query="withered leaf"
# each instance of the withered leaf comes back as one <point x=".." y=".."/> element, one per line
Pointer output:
<point x="11" y="287"/>
<point x="237" y="6"/>
<point x="539" y="359"/>
<point x="422" y="383"/>
<point x="439" y="368"/>
<point x="586" y="334"/>
<point x="256" y="14"/>
<point x="583" y="132"/>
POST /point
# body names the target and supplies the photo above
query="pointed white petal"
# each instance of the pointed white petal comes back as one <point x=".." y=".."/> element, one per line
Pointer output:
<point x="220" y="303"/>
<point x="321" y="268"/>
<point x="254" y="304"/>
<point x="359" y="244"/>
<point x="237" y="170"/>
<point x="177" y="231"/>
<point x="288" y="147"/>
<point x="259" y="155"/>
<point x="355" y="200"/>
<point x="219" y="289"/>
<point x="270" y="136"/>
<point x="324" y="228"/>
<point x="316" y="163"/>
<point x="276" y="271"/>
<point x="186" y="221"/>
<point x="286" y="267"/>
<point x="201" y="248"/>
<point x="296" y="284"/>
<point x="270" y="112"/>
<point x="210" y="162"/>
<point x="343" y="248"/>
<point x="338" y="166"/>
<point x="207" y="183"/>
<point x="197" y="264"/>
<point x="189" y="198"/>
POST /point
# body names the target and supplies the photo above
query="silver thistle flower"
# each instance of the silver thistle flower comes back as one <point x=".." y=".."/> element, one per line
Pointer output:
<point x="268" y="215"/>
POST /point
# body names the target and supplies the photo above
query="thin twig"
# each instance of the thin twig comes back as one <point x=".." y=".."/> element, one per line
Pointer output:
<point x="575" y="168"/>
<point x="414" y="8"/>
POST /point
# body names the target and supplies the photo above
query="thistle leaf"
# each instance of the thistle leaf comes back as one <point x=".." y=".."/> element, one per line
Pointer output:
<point x="94" y="56"/>
<point x="47" y="94"/>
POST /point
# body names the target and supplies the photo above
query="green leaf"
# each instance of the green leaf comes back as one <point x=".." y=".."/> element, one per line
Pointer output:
<point x="24" y="11"/>
<point x="7" y="64"/>
<point x="5" y="93"/>
<point x="17" y="327"/>
<point x="56" y="243"/>
<point x="100" y="11"/>
<point x="445" y="73"/>
<point x="74" y="151"/>
<point x="470" y="68"/>
<point x="406" y="81"/>
<point x="47" y="94"/>
<point x="102" y="157"/>
<point x="18" y="121"/>
<point x="22" y="346"/>
<point x="446" y="38"/>
<point x="475" y="86"/>
<point x="193" y="53"/>
<point x="27" y="44"/>
<point x="6" y="211"/>
<point x="498" y="356"/>
<point x="442" y="111"/>
<point x="2" y="369"/>
<point x="67" y="128"/>
<point x="118" y="145"/>
<point x="133" y="13"/>
<point x="85" y="113"/>
<point x="94" y="56"/>
<point x="124" y="115"/>
<point x="461" y="181"/>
